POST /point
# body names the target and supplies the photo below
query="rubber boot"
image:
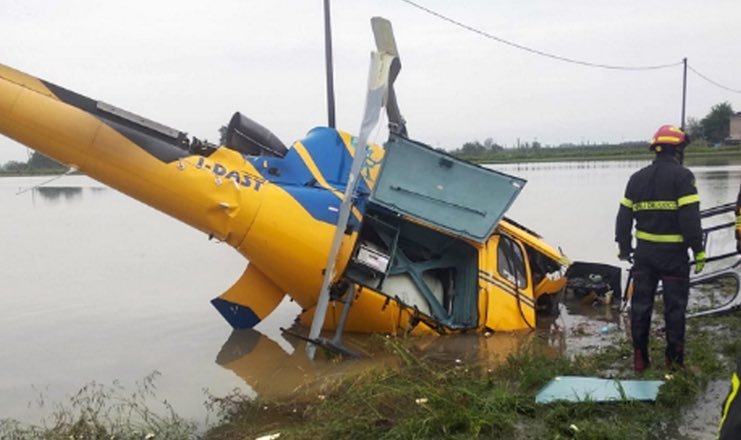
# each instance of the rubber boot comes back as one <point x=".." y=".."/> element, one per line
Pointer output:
<point x="674" y="358"/>
<point x="640" y="360"/>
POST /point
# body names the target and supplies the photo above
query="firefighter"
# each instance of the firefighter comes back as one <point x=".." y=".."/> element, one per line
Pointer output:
<point x="730" y="422"/>
<point x="663" y="201"/>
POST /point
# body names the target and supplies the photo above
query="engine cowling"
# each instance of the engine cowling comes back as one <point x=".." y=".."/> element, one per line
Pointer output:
<point x="250" y="138"/>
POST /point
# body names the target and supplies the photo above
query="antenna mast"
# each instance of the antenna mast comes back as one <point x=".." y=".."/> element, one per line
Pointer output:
<point x="328" y="62"/>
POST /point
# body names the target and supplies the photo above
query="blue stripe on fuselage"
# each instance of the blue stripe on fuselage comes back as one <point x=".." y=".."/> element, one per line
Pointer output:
<point x="328" y="151"/>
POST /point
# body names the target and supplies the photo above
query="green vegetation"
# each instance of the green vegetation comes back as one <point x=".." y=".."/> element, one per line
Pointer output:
<point x="426" y="400"/>
<point x="707" y="135"/>
<point x="627" y="151"/>
<point x="422" y="398"/>
<point x="713" y="128"/>
<point x="100" y="412"/>
<point x="37" y="164"/>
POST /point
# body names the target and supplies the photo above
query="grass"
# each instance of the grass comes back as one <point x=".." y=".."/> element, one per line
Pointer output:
<point x="427" y="400"/>
<point x="421" y="398"/>
<point x="98" y="412"/>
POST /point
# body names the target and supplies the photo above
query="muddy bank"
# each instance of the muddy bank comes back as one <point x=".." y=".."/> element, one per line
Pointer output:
<point x="484" y="387"/>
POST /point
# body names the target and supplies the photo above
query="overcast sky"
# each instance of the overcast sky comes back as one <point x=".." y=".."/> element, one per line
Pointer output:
<point x="190" y="65"/>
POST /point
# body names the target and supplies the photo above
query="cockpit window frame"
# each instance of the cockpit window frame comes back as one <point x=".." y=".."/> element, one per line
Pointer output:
<point x="509" y="252"/>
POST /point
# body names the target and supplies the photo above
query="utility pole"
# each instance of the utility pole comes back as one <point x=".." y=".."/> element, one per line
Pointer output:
<point x="684" y="90"/>
<point x="328" y="62"/>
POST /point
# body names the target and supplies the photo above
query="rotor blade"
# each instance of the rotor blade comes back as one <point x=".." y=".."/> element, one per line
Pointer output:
<point x="374" y="101"/>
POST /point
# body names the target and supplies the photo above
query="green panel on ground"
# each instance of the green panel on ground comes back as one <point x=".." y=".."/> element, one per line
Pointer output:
<point x="593" y="389"/>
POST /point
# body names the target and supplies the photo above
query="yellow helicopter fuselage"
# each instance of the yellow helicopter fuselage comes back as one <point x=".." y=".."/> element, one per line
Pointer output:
<point x="280" y="212"/>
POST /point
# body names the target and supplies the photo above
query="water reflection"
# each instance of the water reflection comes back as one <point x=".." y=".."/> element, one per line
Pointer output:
<point x="718" y="174"/>
<point x="273" y="372"/>
<point x="573" y="165"/>
<point x="98" y="190"/>
<point x="593" y="310"/>
<point x="55" y="193"/>
<point x="713" y="161"/>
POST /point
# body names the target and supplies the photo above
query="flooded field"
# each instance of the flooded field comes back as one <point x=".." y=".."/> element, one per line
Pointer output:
<point x="95" y="286"/>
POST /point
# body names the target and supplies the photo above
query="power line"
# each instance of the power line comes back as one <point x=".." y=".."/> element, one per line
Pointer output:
<point x="717" y="84"/>
<point x="535" y="51"/>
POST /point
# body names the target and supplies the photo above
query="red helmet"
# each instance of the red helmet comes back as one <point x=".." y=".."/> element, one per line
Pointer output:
<point x="670" y="136"/>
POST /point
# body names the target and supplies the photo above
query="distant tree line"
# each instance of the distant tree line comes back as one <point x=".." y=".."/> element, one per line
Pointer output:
<point x="534" y="151"/>
<point x="36" y="163"/>
<point x="710" y="131"/>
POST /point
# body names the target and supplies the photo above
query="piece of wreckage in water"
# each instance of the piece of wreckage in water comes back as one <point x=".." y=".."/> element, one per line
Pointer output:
<point x="715" y="291"/>
<point x="426" y="246"/>
<point x="594" y="283"/>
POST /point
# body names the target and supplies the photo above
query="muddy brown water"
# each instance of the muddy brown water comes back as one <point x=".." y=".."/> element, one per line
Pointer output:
<point x="95" y="286"/>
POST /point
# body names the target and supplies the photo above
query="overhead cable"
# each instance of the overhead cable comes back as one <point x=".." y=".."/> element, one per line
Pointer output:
<point x="535" y="51"/>
<point x="717" y="84"/>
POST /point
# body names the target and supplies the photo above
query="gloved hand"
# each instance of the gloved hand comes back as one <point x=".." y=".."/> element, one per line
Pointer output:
<point x="626" y="254"/>
<point x="699" y="261"/>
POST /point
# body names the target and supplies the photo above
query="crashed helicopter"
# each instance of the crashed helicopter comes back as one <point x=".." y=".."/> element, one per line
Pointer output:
<point x="424" y="246"/>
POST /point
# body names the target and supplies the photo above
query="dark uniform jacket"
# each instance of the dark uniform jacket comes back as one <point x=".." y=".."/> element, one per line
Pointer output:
<point x="663" y="201"/>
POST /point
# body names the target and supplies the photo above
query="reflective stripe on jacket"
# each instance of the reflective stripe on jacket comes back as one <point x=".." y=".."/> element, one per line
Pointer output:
<point x="730" y="422"/>
<point x="663" y="201"/>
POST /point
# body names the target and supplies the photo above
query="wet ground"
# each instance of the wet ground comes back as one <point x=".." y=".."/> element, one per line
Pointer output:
<point x="581" y="327"/>
<point x="275" y="365"/>
<point x="702" y="419"/>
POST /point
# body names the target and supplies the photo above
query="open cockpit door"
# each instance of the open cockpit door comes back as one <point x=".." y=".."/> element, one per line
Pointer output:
<point x="415" y="242"/>
<point x="435" y="188"/>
